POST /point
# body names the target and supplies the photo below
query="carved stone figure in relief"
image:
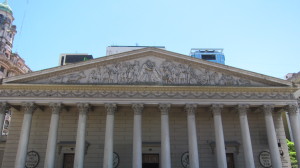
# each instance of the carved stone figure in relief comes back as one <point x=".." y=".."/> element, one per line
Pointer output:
<point x="243" y="82"/>
<point x="167" y="70"/>
<point x="181" y="74"/>
<point x="57" y="79"/>
<point x="94" y="76"/>
<point x="227" y="80"/>
<point x="213" y="78"/>
<point x="124" y="72"/>
<point x="149" y="73"/>
<point x="105" y="75"/>
<point x="140" y="72"/>
<point x="75" y="77"/>
<point x="109" y="74"/>
<point x="133" y="72"/>
<point x="192" y="76"/>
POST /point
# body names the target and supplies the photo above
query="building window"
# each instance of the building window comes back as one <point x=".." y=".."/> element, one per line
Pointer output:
<point x="209" y="57"/>
<point x="2" y="68"/>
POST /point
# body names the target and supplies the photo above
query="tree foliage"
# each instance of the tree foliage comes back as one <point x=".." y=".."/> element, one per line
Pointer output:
<point x="292" y="153"/>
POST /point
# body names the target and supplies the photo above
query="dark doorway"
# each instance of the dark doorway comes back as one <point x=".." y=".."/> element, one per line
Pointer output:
<point x="68" y="160"/>
<point x="230" y="160"/>
<point x="150" y="160"/>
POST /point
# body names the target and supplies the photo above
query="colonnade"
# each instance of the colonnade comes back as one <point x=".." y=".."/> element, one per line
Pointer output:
<point x="190" y="109"/>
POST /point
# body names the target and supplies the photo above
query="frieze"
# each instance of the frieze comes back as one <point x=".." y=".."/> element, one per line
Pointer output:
<point x="150" y="71"/>
<point x="145" y="94"/>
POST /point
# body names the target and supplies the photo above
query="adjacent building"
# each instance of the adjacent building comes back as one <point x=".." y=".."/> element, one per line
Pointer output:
<point x="209" y="54"/>
<point x="115" y="49"/>
<point x="11" y="64"/>
<point x="65" y="59"/>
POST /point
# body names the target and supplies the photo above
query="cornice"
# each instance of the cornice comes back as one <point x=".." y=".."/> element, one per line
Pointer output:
<point x="144" y="88"/>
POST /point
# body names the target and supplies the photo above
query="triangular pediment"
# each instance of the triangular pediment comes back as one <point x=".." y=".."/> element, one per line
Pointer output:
<point x="148" y="66"/>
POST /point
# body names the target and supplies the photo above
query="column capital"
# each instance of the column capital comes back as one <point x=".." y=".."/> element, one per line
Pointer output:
<point x="243" y="109"/>
<point x="29" y="107"/>
<point x="137" y="108"/>
<point x="111" y="108"/>
<point x="268" y="109"/>
<point x="190" y="108"/>
<point x="292" y="109"/>
<point x="4" y="106"/>
<point x="164" y="108"/>
<point x="216" y="108"/>
<point x="83" y="108"/>
<point x="56" y="107"/>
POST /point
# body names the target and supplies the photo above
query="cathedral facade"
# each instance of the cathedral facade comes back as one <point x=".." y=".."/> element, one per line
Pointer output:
<point x="148" y="108"/>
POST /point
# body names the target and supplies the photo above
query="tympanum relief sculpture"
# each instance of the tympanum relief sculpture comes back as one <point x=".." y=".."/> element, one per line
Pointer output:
<point x="151" y="71"/>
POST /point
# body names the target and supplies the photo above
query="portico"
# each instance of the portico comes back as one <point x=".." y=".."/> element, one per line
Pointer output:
<point x="195" y="110"/>
<point x="129" y="118"/>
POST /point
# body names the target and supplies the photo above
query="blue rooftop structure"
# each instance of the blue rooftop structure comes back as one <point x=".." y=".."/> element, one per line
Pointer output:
<point x="209" y="54"/>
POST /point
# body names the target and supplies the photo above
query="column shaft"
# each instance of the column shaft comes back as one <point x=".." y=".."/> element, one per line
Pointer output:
<point x="137" y="136"/>
<point x="165" y="137"/>
<point x="272" y="139"/>
<point x="295" y="126"/>
<point x="219" y="135"/>
<point x="80" y="140"/>
<point x="192" y="135"/>
<point x="109" y="136"/>
<point x="247" y="145"/>
<point x="52" y="136"/>
<point x="24" y="135"/>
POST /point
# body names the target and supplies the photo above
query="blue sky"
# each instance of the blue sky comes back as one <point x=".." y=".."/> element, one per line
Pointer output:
<point x="262" y="36"/>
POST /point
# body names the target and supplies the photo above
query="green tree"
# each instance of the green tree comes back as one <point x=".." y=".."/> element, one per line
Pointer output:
<point x="292" y="153"/>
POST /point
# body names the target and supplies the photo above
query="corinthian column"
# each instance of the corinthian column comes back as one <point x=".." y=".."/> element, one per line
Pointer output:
<point x="272" y="139"/>
<point x="80" y="140"/>
<point x="294" y="120"/>
<point x="220" y="144"/>
<point x="165" y="136"/>
<point x="192" y="134"/>
<point x="248" y="153"/>
<point x="137" y="135"/>
<point x="109" y="136"/>
<point x="52" y="136"/>
<point x="29" y="108"/>
<point x="3" y="108"/>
